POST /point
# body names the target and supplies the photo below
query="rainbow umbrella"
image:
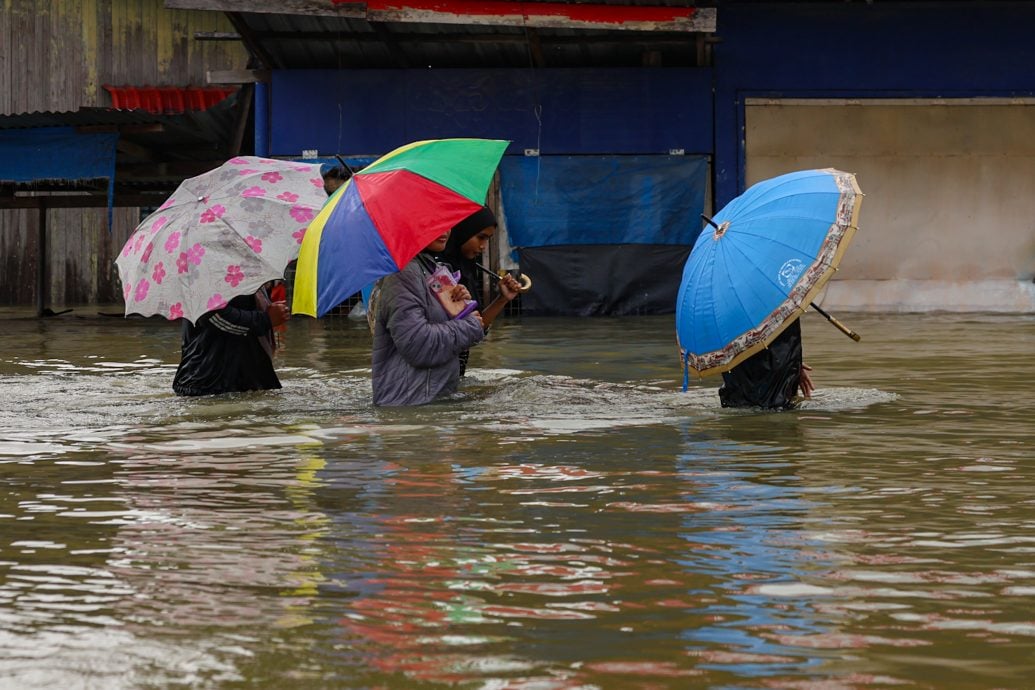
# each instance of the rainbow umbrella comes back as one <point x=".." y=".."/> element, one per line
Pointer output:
<point x="387" y="213"/>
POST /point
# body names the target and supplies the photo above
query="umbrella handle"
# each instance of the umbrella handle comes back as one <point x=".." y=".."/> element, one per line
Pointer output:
<point x="837" y="324"/>
<point x="525" y="283"/>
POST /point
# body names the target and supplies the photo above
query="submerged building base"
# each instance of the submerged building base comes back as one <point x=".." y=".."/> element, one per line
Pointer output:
<point x="1007" y="296"/>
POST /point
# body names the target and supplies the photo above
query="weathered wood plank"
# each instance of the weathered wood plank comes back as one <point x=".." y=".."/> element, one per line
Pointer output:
<point x="6" y="65"/>
<point x="237" y="76"/>
<point x="91" y="201"/>
<point x="327" y="8"/>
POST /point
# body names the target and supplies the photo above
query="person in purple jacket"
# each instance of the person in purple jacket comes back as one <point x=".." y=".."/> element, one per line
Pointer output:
<point x="416" y="349"/>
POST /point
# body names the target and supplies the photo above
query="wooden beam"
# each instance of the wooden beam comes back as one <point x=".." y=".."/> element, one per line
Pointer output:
<point x="178" y="170"/>
<point x="237" y="76"/>
<point x="80" y="201"/>
<point x="314" y="8"/>
<point x="42" y="255"/>
<point x="216" y="36"/>
<point x="150" y="128"/>
<point x="535" y="47"/>
<point x="244" y="106"/>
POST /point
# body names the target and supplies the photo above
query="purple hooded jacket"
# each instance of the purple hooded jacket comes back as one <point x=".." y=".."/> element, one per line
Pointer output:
<point x="416" y="348"/>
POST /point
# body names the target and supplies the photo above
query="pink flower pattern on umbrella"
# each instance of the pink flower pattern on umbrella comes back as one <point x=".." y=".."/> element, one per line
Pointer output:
<point x="234" y="275"/>
<point x="216" y="302"/>
<point x="212" y="214"/>
<point x="302" y="214"/>
<point x="249" y="214"/>
<point x="141" y="292"/>
<point x="195" y="253"/>
<point x="172" y="243"/>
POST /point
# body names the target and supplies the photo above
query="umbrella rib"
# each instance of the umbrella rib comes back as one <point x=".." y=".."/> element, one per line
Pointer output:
<point x="239" y="240"/>
<point x="700" y="269"/>
<point x="727" y="251"/>
<point x="767" y="277"/>
<point x="813" y="260"/>
<point x="754" y="206"/>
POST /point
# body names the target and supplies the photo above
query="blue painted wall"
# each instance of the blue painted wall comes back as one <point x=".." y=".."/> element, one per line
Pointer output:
<point x="795" y="50"/>
<point x="564" y="111"/>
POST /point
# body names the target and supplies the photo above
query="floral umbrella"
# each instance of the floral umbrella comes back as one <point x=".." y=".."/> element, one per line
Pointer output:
<point x="220" y="234"/>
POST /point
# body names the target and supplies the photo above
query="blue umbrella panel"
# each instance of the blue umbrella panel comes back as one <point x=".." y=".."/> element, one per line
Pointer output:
<point x="766" y="256"/>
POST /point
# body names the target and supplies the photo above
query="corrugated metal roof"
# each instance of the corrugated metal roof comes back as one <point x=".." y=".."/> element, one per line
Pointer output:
<point x="323" y="42"/>
<point x="157" y="151"/>
<point x="166" y="99"/>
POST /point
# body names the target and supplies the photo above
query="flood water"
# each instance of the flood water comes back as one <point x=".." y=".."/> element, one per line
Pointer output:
<point x="573" y="521"/>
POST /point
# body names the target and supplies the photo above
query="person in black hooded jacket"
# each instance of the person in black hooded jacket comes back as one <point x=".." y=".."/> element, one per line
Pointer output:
<point x="467" y="242"/>
<point x="770" y="378"/>
<point x="231" y="350"/>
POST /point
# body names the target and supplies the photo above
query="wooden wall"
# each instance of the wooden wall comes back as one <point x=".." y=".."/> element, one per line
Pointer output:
<point x="56" y="55"/>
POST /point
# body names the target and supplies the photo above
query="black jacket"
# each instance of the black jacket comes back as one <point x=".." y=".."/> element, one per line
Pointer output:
<point x="769" y="378"/>
<point x="228" y="350"/>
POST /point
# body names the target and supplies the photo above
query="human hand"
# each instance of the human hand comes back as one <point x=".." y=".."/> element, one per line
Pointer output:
<point x="509" y="287"/>
<point x="278" y="313"/>
<point x="805" y="381"/>
<point x="459" y="293"/>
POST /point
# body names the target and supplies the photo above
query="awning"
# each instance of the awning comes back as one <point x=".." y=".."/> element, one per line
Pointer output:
<point x="58" y="153"/>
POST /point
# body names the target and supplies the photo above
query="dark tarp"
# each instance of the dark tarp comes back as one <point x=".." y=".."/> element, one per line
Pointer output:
<point x="602" y="280"/>
<point x="603" y="235"/>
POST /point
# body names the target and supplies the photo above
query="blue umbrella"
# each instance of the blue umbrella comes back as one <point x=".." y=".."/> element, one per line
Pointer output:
<point x="767" y="255"/>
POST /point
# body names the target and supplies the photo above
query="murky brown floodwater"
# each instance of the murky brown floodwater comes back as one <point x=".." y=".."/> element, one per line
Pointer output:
<point x="575" y="522"/>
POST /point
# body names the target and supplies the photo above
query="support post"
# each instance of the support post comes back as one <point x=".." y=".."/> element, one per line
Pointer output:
<point x="41" y="258"/>
<point x="262" y="123"/>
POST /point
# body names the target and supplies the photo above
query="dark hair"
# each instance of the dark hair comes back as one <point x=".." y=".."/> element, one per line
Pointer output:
<point x="337" y="173"/>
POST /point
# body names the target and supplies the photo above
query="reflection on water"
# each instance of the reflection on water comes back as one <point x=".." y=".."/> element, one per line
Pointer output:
<point x="570" y="520"/>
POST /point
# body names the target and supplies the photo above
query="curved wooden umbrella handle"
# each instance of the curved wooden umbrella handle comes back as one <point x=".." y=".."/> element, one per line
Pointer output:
<point x="526" y="283"/>
<point x="840" y="326"/>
